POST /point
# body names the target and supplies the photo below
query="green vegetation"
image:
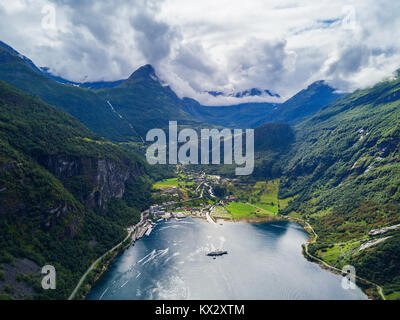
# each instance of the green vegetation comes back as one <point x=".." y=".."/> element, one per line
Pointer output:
<point x="343" y="174"/>
<point x="265" y="195"/>
<point x="240" y="210"/>
<point x="51" y="216"/>
<point x="84" y="104"/>
<point x="142" y="102"/>
<point x="146" y="104"/>
<point x="338" y="169"/>
<point x="166" y="183"/>
<point x="257" y="200"/>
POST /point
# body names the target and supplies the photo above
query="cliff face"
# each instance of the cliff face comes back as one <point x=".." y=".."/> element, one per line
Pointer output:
<point x="105" y="179"/>
<point x="66" y="194"/>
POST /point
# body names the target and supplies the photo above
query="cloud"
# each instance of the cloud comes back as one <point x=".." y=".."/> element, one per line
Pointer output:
<point x="153" y="38"/>
<point x="212" y="45"/>
<point x="260" y="63"/>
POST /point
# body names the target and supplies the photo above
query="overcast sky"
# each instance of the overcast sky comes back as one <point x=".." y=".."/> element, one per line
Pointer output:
<point x="232" y="45"/>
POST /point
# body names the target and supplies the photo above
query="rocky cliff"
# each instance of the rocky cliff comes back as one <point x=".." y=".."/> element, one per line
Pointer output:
<point x="104" y="178"/>
<point x="66" y="194"/>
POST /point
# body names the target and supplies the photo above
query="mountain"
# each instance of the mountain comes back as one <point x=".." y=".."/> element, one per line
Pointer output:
<point x="66" y="195"/>
<point x="305" y="103"/>
<point x="81" y="103"/>
<point x="125" y="110"/>
<point x="146" y="102"/>
<point x="46" y="72"/>
<point x="250" y="115"/>
<point x="254" y="92"/>
<point x="246" y="115"/>
<point x="120" y="111"/>
<point x="344" y="172"/>
<point x="29" y="62"/>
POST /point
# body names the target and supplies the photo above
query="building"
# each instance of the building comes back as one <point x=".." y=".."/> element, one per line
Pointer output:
<point x="154" y="208"/>
<point x="231" y="198"/>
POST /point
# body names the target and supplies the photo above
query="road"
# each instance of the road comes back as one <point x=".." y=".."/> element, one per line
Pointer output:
<point x="99" y="259"/>
<point x="210" y="190"/>
<point x="209" y="219"/>
<point x="379" y="288"/>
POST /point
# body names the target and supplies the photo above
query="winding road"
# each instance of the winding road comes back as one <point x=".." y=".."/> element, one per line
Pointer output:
<point x="99" y="259"/>
<point x="314" y="239"/>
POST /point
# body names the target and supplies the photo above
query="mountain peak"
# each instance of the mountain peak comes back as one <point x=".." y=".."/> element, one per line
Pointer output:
<point x="318" y="83"/>
<point x="146" y="71"/>
<point x="146" y="74"/>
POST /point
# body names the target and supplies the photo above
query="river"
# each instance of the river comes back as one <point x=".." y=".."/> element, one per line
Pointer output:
<point x="264" y="261"/>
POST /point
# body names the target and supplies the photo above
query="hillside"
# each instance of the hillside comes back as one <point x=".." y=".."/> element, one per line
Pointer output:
<point x="147" y="103"/>
<point x="125" y="110"/>
<point x="344" y="169"/>
<point x="120" y="111"/>
<point x="246" y="115"/>
<point x="251" y="115"/>
<point x="66" y="195"/>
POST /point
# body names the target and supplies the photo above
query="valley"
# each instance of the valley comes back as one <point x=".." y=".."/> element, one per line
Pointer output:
<point x="76" y="189"/>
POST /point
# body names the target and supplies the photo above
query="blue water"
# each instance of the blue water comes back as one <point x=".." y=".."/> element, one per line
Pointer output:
<point x="264" y="261"/>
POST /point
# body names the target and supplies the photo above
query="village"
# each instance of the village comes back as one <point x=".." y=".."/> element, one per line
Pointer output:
<point x="197" y="200"/>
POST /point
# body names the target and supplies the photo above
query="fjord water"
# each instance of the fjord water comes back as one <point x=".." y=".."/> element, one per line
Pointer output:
<point x="264" y="261"/>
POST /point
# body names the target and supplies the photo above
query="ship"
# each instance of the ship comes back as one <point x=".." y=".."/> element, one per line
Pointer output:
<point x="216" y="253"/>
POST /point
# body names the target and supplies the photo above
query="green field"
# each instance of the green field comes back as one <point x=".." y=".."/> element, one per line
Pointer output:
<point x="172" y="182"/>
<point x="257" y="200"/>
<point x="166" y="183"/>
<point x="240" y="210"/>
<point x="266" y="195"/>
<point x="338" y="254"/>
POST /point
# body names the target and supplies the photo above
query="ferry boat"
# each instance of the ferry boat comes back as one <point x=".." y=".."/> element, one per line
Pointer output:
<point x="216" y="253"/>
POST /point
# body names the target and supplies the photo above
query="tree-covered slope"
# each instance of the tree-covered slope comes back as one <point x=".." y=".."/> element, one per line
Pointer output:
<point x="121" y="111"/>
<point x="305" y="103"/>
<point x="66" y="195"/>
<point x="146" y="103"/>
<point x="82" y="103"/>
<point x="344" y="169"/>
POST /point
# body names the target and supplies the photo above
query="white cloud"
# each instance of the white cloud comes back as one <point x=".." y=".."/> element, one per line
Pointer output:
<point x="211" y="45"/>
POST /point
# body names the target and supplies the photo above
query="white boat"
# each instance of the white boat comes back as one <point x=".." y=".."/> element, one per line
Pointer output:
<point x="148" y="231"/>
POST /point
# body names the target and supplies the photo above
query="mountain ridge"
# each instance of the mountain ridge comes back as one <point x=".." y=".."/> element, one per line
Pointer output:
<point x="125" y="110"/>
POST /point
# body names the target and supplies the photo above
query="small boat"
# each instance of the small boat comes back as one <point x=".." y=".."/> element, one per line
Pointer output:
<point x="148" y="231"/>
<point x="216" y="253"/>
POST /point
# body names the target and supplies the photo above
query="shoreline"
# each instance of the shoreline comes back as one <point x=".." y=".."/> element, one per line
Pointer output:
<point x="363" y="284"/>
<point x="140" y="230"/>
<point x="136" y="233"/>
